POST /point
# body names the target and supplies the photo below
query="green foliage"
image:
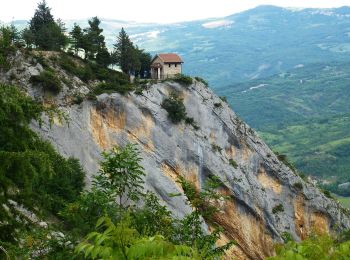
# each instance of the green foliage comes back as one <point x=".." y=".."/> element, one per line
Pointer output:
<point x="298" y="186"/>
<point x="31" y="172"/>
<point x="48" y="81"/>
<point x="183" y="79"/>
<point x="122" y="173"/>
<point x="327" y="193"/>
<point x="126" y="56"/>
<point x="190" y="121"/>
<point x="218" y="104"/>
<point x="202" y="201"/>
<point x="6" y="45"/>
<point x="313" y="248"/>
<point x="175" y="108"/>
<point x="216" y="148"/>
<point x="153" y="218"/>
<point x="233" y="163"/>
<point x="121" y="241"/>
<point x="202" y="81"/>
<point x="304" y="114"/>
<point x="283" y="158"/>
<point x="277" y="209"/>
<point x="112" y="88"/>
<point x="223" y="98"/>
<point x="83" y="72"/>
<point x="81" y="215"/>
<point x="45" y="32"/>
<point x="76" y="39"/>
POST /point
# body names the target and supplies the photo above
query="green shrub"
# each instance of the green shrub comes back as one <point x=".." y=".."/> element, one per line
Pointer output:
<point x="43" y="179"/>
<point x="110" y="87"/>
<point x="175" y="107"/>
<point x="41" y="60"/>
<point x="283" y="158"/>
<point x="277" y="209"/>
<point x="183" y="79"/>
<point x="233" y="163"/>
<point x="298" y="186"/>
<point x="315" y="247"/>
<point x="223" y="98"/>
<point x="6" y="46"/>
<point x="48" y="81"/>
<point x="217" y="105"/>
<point x="327" y="193"/>
<point x="83" y="72"/>
<point x="190" y="121"/>
<point x="202" y="81"/>
<point x="216" y="148"/>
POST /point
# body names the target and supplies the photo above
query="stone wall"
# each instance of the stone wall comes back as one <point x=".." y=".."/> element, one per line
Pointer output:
<point x="169" y="70"/>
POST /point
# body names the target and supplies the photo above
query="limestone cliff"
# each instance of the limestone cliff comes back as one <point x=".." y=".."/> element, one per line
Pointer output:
<point x="258" y="186"/>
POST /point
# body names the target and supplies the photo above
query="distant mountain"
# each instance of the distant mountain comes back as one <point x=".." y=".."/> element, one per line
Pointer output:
<point x="304" y="113"/>
<point x="253" y="44"/>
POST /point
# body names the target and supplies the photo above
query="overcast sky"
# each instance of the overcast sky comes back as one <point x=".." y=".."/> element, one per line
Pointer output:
<point x="161" y="11"/>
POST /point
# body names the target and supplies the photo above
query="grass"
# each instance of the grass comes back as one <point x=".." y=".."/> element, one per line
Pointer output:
<point x="344" y="201"/>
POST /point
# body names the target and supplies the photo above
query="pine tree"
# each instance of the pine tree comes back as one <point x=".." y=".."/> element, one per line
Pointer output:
<point x="103" y="57"/>
<point x="94" y="37"/>
<point x="42" y="17"/>
<point x="47" y="34"/>
<point x="145" y="63"/>
<point x="123" y="51"/>
<point x="28" y="37"/>
<point x="76" y="38"/>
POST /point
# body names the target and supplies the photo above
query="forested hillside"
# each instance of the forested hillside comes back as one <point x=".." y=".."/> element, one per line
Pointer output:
<point x="304" y="114"/>
<point x="94" y="166"/>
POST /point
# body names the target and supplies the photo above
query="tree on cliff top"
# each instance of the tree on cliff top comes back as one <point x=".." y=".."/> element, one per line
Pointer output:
<point x="47" y="33"/>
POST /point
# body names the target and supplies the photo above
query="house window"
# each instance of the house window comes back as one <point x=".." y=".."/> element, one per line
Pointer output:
<point x="169" y="65"/>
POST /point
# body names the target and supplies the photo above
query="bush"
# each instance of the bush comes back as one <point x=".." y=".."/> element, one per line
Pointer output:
<point x="183" y="79"/>
<point x="233" y="163"/>
<point x="327" y="193"/>
<point x="315" y="247"/>
<point x="217" y="105"/>
<point x="283" y="158"/>
<point x="216" y="148"/>
<point x="202" y="81"/>
<point x="190" y="121"/>
<point x="48" y="81"/>
<point x="298" y="186"/>
<point x="175" y="108"/>
<point x="223" y="98"/>
<point x="85" y="72"/>
<point x="110" y="87"/>
<point x="277" y="209"/>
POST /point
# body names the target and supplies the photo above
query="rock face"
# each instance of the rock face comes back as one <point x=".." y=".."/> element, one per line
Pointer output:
<point x="266" y="197"/>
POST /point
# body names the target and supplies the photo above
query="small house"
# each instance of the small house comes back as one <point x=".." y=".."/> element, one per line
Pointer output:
<point x="166" y="65"/>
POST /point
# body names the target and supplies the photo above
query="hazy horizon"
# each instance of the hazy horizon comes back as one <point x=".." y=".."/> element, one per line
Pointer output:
<point x="142" y="12"/>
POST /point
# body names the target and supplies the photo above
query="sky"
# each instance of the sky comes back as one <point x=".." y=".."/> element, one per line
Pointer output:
<point x="159" y="11"/>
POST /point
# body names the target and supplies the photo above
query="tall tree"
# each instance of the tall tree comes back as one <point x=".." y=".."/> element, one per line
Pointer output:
<point x="103" y="57"/>
<point x="123" y="50"/>
<point x="47" y="34"/>
<point x="76" y="38"/>
<point x="95" y="37"/>
<point x="145" y="63"/>
<point x="28" y="37"/>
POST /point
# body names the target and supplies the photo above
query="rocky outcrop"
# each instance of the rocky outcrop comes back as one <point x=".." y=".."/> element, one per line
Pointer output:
<point x="266" y="197"/>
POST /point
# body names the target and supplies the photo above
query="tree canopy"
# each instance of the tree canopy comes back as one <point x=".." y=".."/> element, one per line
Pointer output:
<point x="44" y="32"/>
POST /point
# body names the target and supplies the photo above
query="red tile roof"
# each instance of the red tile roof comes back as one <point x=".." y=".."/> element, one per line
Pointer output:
<point x="169" y="58"/>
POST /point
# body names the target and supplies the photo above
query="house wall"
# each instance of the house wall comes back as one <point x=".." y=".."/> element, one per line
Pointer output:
<point x="154" y="70"/>
<point x="166" y="71"/>
<point x="169" y="72"/>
